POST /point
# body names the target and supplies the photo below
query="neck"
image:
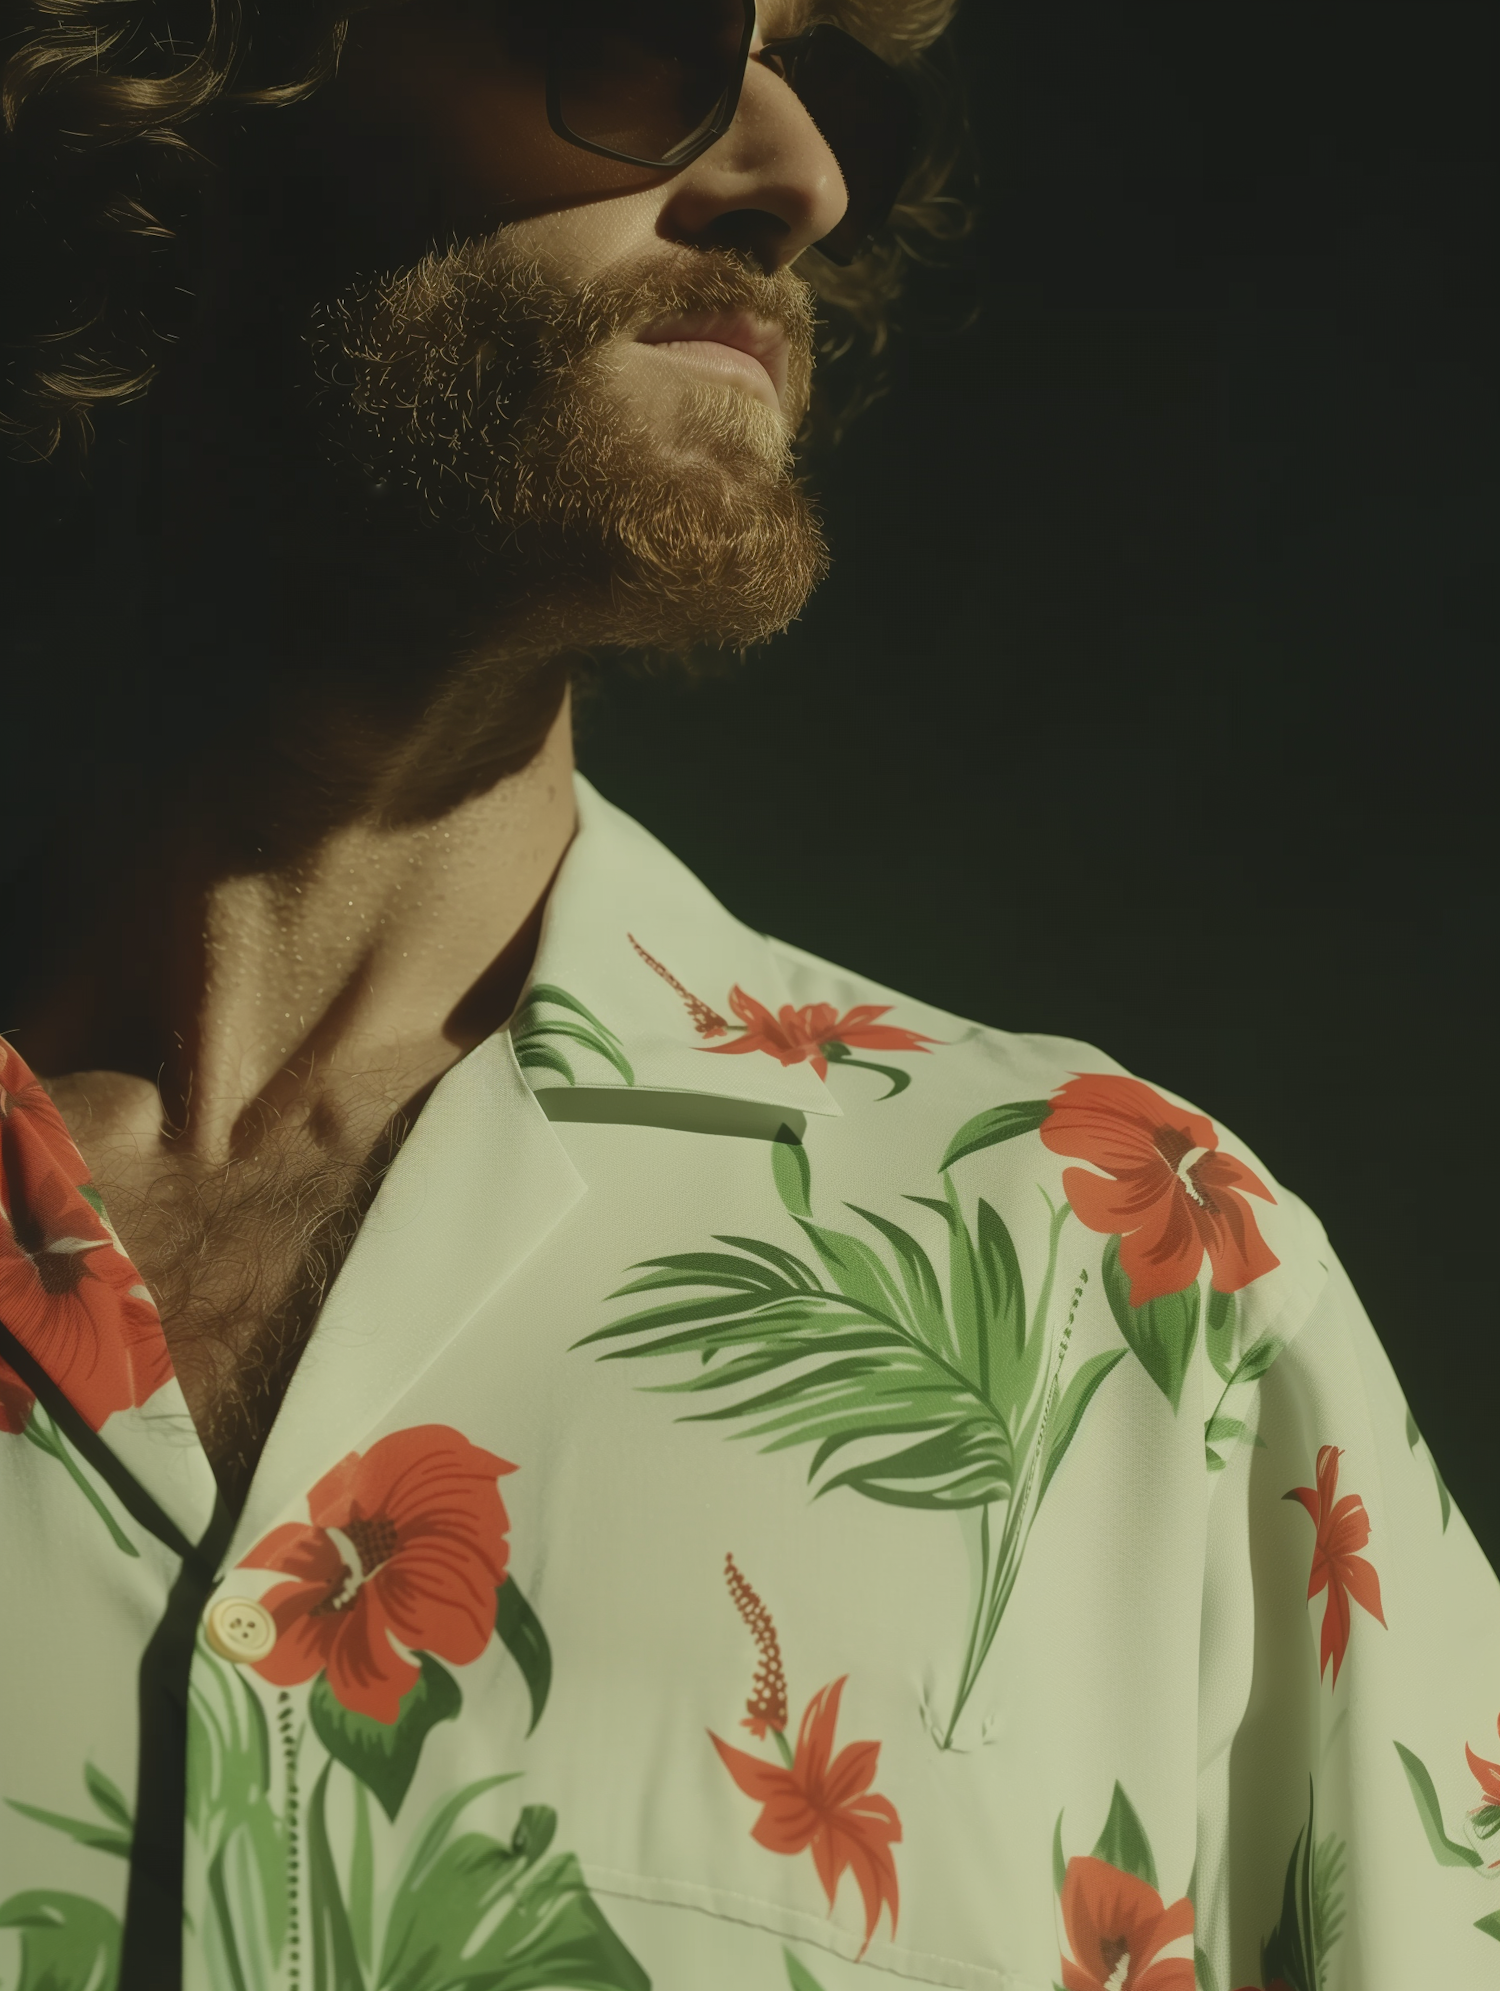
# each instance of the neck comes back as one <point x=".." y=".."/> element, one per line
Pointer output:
<point x="336" y="986"/>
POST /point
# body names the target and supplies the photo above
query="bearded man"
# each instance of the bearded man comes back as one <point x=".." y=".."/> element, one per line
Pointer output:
<point x="548" y="1439"/>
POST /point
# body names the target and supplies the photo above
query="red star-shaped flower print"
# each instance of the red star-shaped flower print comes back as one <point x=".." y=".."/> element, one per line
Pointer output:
<point x="407" y="1543"/>
<point x="824" y="1802"/>
<point x="1117" y="1926"/>
<point x="1343" y="1526"/>
<point x="802" y="1036"/>
<point x="1486" y="1814"/>
<point x="1167" y="1192"/>
<point x="68" y="1294"/>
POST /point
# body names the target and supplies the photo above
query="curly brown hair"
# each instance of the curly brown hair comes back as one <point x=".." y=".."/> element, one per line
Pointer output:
<point x="105" y="105"/>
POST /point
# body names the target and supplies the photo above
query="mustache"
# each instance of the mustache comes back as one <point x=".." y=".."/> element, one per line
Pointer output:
<point x="625" y="302"/>
<point x="478" y="322"/>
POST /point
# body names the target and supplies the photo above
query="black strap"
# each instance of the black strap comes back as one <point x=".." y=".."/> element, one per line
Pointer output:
<point x="118" y="1477"/>
<point x="151" y="1954"/>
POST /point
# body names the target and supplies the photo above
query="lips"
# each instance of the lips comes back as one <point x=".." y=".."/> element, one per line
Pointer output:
<point x="758" y="338"/>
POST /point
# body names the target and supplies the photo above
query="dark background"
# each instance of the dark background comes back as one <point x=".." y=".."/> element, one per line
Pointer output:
<point x="1150" y="700"/>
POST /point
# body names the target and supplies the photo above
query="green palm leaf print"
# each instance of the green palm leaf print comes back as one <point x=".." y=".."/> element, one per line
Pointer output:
<point x="900" y="1391"/>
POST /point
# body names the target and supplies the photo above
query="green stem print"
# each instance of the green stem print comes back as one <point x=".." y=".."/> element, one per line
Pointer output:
<point x="952" y="1403"/>
<point x="41" y="1431"/>
<point x="1222" y="1432"/>
<point x="533" y="1034"/>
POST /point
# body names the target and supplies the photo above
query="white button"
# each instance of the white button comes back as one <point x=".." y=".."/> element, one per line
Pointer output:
<point x="239" y="1629"/>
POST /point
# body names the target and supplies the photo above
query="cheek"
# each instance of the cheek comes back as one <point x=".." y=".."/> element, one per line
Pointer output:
<point x="596" y="236"/>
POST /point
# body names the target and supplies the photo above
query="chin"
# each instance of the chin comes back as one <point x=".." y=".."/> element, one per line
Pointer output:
<point x="546" y="490"/>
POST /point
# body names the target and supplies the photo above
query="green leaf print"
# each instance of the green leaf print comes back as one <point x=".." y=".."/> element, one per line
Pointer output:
<point x="798" y="1976"/>
<point x="1414" y="1438"/>
<point x="531" y="1029"/>
<point x="67" y="1942"/>
<point x="1123" y="1842"/>
<point x="792" y="1172"/>
<point x="384" y="1755"/>
<point x="545" y="1929"/>
<point x="840" y="1054"/>
<point x="108" y="1796"/>
<point x="949" y="1398"/>
<point x="1445" y="1851"/>
<point x="113" y="1835"/>
<point x="361" y="1888"/>
<point x="1162" y="1333"/>
<point x="998" y="1123"/>
<point x="520" y="1632"/>
<point x="1489" y="1925"/>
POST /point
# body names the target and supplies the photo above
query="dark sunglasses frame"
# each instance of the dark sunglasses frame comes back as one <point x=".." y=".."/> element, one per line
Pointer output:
<point x="839" y="247"/>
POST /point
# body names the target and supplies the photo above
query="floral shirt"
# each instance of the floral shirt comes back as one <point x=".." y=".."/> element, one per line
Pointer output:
<point x="790" y="1491"/>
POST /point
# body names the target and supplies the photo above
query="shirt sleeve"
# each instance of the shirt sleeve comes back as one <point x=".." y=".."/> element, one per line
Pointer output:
<point x="1349" y="1809"/>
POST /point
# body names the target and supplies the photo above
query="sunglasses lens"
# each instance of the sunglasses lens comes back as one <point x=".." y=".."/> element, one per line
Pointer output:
<point x="645" y="77"/>
<point x="867" y="112"/>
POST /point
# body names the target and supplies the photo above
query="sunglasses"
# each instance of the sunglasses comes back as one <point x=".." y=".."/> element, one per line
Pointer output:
<point x="656" y="82"/>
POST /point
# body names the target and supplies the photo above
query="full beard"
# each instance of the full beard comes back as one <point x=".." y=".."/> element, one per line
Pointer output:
<point x="481" y="402"/>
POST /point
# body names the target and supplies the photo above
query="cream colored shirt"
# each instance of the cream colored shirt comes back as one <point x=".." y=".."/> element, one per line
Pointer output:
<point x="790" y="1491"/>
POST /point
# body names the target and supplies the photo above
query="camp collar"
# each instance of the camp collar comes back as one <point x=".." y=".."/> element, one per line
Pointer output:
<point x="636" y="963"/>
<point x="640" y="984"/>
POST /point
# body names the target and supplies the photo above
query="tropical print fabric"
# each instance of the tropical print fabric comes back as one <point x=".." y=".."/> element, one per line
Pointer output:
<point x="790" y="1491"/>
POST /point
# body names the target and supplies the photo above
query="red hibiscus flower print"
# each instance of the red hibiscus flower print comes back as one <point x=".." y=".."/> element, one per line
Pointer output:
<point x="1117" y="1927"/>
<point x="67" y="1292"/>
<point x="824" y="1803"/>
<point x="1167" y="1192"/>
<point x="407" y="1542"/>
<point x="1343" y="1526"/>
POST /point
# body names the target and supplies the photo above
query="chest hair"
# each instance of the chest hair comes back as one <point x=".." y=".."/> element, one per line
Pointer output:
<point x="239" y="1259"/>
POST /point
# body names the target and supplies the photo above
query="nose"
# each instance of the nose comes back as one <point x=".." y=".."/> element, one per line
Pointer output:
<point x="770" y="185"/>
